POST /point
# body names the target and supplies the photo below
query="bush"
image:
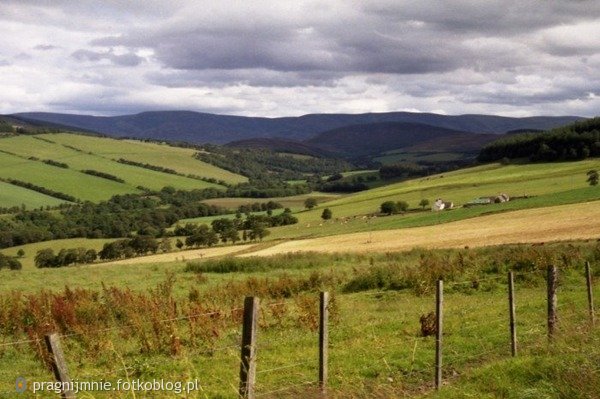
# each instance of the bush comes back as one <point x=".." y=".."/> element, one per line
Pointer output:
<point x="389" y="207"/>
<point x="6" y="262"/>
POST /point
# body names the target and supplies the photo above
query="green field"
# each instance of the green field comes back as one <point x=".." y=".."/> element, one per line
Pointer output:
<point x="11" y="195"/>
<point x="376" y="350"/>
<point x="179" y="159"/>
<point x="68" y="181"/>
<point x="549" y="184"/>
<point x="98" y="154"/>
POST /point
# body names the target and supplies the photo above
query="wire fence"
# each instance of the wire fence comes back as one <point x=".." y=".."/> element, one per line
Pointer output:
<point x="386" y="341"/>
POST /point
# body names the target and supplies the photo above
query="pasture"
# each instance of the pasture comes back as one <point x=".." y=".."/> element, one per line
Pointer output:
<point x="376" y="349"/>
<point x="67" y="181"/>
<point x="11" y="195"/>
<point x="29" y="146"/>
<point x="545" y="184"/>
<point x="179" y="159"/>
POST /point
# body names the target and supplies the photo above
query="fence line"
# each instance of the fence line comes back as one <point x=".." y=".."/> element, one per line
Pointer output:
<point x="559" y="311"/>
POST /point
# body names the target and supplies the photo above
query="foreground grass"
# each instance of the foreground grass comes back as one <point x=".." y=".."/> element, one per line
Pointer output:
<point x="375" y="351"/>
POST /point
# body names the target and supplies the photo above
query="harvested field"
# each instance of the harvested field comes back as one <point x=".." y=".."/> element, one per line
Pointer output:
<point x="200" y="253"/>
<point x="565" y="222"/>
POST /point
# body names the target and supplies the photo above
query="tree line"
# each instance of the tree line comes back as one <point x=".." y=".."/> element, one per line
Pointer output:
<point x="253" y="228"/>
<point x="576" y="141"/>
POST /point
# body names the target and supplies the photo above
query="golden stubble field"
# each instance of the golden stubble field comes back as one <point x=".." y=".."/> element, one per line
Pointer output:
<point x="565" y="222"/>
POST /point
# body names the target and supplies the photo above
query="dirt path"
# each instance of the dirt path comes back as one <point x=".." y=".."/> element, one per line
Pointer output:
<point x="565" y="222"/>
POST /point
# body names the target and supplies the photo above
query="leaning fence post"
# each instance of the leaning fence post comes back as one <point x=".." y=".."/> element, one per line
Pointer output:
<point x="552" y="300"/>
<point x="512" y="312"/>
<point x="590" y="293"/>
<point x="323" y="341"/>
<point x="248" y="357"/>
<point x="439" y="307"/>
<point x="59" y="365"/>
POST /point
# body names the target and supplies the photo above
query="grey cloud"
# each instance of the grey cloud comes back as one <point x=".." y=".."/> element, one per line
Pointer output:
<point x="391" y="54"/>
<point x="250" y="77"/>
<point x="46" y="47"/>
<point x="128" y="59"/>
<point x="394" y="37"/>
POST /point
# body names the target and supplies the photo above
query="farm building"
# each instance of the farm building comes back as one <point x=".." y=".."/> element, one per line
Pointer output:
<point x="496" y="199"/>
<point x="440" y="205"/>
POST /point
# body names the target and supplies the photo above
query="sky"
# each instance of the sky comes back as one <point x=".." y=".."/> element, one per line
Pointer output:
<point x="287" y="58"/>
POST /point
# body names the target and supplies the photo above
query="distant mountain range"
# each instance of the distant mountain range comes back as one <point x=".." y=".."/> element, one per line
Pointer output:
<point x="347" y="135"/>
<point x="199" y="127"/>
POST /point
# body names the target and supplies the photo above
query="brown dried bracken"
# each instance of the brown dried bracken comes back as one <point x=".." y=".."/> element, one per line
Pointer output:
<point x="428" y="326"/>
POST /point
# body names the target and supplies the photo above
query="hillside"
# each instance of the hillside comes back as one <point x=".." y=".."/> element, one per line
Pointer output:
<point x="196" y="127"/>
<point x="281" y="146"/>
<point x="95" y="169"/>
<point x="578" y="140"/>
<point x="375" y="138"/>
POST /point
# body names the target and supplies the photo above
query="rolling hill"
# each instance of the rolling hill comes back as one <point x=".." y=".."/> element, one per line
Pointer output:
<point x="196" y="127"/>
<point x="376" y="138"/>
<point x="61" y="163"/>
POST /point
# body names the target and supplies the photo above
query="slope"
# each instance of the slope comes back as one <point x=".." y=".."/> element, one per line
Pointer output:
<point x="375" y="138"/>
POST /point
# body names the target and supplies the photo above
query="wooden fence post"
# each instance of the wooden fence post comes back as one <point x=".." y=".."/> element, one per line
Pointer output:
<point x="323" y="341"/>
<point x="59" y="365"/>
<point x="512" y="312"/>
<point x="552" y="300"/>
<point x="590" y="293"/>
<point x="248" y="357"/>
<point x="439" y="307"/>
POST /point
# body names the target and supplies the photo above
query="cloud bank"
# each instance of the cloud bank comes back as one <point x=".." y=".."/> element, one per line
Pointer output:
<point x="268" y="58"/>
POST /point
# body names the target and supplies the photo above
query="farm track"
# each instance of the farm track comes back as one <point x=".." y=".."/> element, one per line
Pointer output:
<point x="556" y="223"/>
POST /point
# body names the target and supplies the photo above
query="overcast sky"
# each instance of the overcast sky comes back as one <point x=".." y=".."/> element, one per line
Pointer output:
<point x="292" y="57"/>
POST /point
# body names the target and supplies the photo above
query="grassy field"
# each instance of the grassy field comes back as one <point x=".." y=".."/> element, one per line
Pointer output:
<point x="21" y="168"/>
<point x="68" y="181"/>
<point x="179" y="159"/>
<point x="31" y="249"/>
<point x="376" y="350"/>
<point x="11" y="195"/>
<point x="548" y="184"/>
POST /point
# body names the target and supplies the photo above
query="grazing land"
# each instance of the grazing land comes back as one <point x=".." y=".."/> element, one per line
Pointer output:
<point x="545" y="184"/>
<point x="11" y="195"/>
<point x="376" y="348"/>
<point x="21" y="158"/>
